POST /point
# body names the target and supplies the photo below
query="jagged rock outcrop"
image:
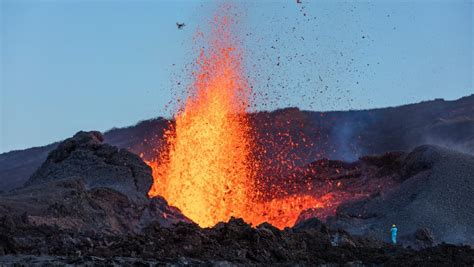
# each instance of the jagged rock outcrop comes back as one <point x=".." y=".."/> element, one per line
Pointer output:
<point x="85" y="157"/>
<point x="85" y="185"/>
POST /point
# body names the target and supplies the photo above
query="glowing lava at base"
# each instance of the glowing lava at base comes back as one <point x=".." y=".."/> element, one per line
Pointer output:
<point x="207" y="169"/>
<point x="283" y="212"/>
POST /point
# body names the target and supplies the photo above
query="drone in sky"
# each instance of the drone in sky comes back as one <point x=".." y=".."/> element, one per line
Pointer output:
<point x="180" y="25"/>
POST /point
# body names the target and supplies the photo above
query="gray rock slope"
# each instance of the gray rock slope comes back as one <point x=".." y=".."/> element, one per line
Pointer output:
<point x="436" y="193"/>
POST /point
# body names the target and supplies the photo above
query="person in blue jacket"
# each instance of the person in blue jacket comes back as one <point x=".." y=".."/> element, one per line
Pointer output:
<point x="394" y="234"/>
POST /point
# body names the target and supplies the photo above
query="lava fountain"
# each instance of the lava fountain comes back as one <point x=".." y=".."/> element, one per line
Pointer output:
<point x="209" y="164"/>
<point x="207" y="169"/>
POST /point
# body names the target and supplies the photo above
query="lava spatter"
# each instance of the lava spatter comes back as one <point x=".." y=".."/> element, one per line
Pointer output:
<point x="206" y="170"/>
<point x="208" y="166"/>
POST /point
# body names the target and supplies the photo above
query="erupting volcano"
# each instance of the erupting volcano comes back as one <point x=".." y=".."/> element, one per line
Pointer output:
<point x="274" y="154"/>
<point x="208" y="167"/>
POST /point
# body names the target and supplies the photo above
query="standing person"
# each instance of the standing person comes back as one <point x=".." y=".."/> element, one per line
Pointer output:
<point x="394" y="234"/>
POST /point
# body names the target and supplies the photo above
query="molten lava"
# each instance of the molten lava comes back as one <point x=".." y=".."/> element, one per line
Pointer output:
<point x="207" y="170"/>
<point x="208" y="167"/>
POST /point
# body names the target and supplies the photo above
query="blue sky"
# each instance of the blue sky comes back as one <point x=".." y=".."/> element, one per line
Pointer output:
<point x="83" y="65"/>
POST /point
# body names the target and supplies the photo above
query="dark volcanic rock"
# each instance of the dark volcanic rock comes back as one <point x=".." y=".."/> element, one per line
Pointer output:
<point x="312" y="223"/>
<point x="227" y="243"/>
<point x="159" y="211"/>
<point x="424" y="238"/>
<point x="98" y="165"/>
<point x="85" y="185"/>
<point x="420" y="159"/>
<point x="16" y="167"/>
<point x="435" y="192"/>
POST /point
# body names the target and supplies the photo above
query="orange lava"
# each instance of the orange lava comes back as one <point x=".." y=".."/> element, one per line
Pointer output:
<point x="283" y="212"/>
<point x="207" y="168"/>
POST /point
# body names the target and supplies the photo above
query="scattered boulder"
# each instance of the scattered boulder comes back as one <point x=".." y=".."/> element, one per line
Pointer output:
<point x="424" y="237"/>
<point x="159" y="211"/>
<point x="311" y="223"/>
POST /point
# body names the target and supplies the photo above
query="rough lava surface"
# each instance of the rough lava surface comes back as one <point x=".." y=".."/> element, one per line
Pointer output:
<point x="88" y="204"/>
<point x="233" y="243"/>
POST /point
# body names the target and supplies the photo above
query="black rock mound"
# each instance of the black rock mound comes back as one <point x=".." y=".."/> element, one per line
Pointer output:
<point x="85" y="157"/>
<point x="85" y="185"/>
